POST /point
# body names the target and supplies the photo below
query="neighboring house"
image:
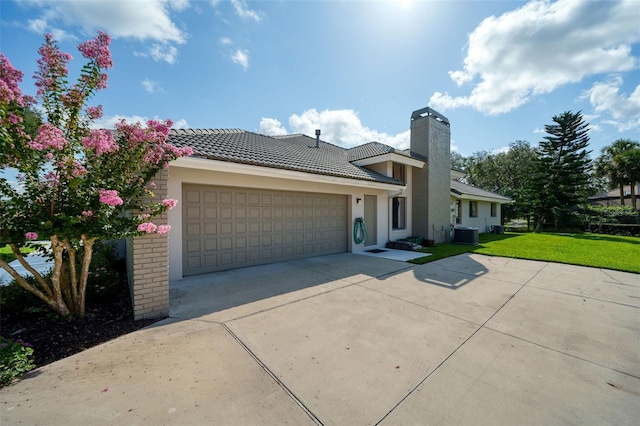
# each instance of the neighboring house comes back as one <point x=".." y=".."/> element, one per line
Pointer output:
<point x="249" y="199"/>
<point x="612" y="198"/>
<point x="474" y="207"/>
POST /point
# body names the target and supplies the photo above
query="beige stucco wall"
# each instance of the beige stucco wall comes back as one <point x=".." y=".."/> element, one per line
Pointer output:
<point x="484" y="221"/>
<point x="296" y="182"/>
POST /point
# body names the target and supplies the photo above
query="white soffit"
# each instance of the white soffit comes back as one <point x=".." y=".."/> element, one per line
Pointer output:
<point x="396" y="158"/>
<point x="248" y="169"/>
<point x="479" y="198"/>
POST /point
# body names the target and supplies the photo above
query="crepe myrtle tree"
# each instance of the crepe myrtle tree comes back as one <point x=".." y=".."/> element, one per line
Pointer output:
<point x="76" y="185"/>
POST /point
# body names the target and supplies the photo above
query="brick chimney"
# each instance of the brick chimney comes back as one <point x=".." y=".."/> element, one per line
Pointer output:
<point x="431" y="141"/>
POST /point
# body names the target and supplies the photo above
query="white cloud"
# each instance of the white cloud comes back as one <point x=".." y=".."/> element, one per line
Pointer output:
<point x="150" y="85"/>
<point x="126" y="19"/>
<point x="241" y="57"/>
<point x="539" y="47"/>
<point x="181" y="124"/>
<point x="225" y="41"/>
<point x="271" y="127"/>
<point x="109" y="122"/>
<point x="163" y="52"/>
<point x="179" y="5"/>
<point x="624" y="111"/>
<point x="339" y="127"/>
<point x="243" y="11"/>
<point x="501" y="150"/>
<point x="38" y="25"/>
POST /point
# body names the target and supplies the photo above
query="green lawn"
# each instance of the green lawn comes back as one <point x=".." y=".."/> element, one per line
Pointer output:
<point x="596" y="250"/>
<point x="7" y="254"/>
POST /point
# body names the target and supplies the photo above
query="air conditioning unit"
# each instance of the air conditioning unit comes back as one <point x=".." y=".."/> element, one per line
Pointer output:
<point x="465" y="235"/>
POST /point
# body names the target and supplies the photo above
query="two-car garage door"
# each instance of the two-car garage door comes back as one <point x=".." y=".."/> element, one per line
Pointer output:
<point x="226" y="228"/>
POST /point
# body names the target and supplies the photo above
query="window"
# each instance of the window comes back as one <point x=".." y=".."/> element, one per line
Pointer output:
<point x="458" y="211"/>
<point x="398" y="172"/>
<point x="473" y="209"/>
<point x="399" y="220"/>
<point x="494" y="209"/>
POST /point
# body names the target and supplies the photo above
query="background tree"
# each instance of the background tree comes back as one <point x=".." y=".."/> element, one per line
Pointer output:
<point x="629" y="163"/>
<point x="457" y="161"/>
<point x="505" y="173"/>
<point x="608" y="164"/>
<point x="77" y="185"/>
<point x="560" y="178"/>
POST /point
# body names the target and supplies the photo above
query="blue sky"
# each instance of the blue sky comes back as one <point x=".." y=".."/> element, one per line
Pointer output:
<point x="499" y="70"/>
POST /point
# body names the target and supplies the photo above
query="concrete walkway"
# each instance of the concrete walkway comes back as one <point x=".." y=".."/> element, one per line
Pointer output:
<point x="350" y="340"/>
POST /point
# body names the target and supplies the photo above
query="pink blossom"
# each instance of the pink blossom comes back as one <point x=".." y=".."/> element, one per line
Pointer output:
<point x="48" y="136"/>
<point x="49" y="156"/>
<point x="145" y="216"/>
<point x="94" y="112"/>
<point x="52" y="66"/>
<point x="9" y="82"/>
<point x="100" y="141"/>
<point x="78" y="169"/>
<point x="87" y="213"/>
<point x="98" y="50"/>
<point x="110" y="197"/>
<point x="31" y="236"/>
<point x="147" y="227"/>
<point x="152" y="185"/>
<point x="51" y="180"/>
<point x="14" y="119"/>
<point x="163" y="229"/>
<point x="102" y="84"/>
<point x="169" y="202"/>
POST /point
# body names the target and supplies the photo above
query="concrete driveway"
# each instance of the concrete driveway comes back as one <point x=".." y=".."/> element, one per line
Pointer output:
<point x="350" y="340"/>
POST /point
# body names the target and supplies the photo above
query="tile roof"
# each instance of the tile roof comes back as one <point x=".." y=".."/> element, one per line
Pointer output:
<point x="291" y="152"/>
<point x="373" y="149"/>
<point x="462" y="188"/>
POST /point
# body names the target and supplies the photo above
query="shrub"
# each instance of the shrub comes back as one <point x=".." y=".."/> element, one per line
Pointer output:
<point x="104" y="276"/>
<point x="16" y="358"/>
<point x="615" y="229"/>
<point x="15" y="300"/>
<point x="612" y="214"/>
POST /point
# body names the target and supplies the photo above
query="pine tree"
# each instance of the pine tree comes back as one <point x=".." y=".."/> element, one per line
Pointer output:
<point x="561" y="172"/>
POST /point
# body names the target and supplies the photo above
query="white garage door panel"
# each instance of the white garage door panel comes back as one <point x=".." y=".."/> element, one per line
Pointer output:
<point x="226" y="228"/>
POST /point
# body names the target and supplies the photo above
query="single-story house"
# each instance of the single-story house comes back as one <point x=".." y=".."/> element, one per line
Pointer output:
<point x="249" y="199"/>
<point x="612" y="198"/>
<point x="474" y="207"/>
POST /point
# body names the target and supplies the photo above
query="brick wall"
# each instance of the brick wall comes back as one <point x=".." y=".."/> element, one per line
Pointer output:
<point x="148" y="265"/>
<point x="431" y="138"/>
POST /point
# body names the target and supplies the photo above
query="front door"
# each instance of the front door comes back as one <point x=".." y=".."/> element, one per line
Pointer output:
<point x="370" y="220"/>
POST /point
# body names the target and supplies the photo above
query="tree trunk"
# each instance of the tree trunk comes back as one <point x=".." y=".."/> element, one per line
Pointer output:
<point x="66" y="291"/>
<point x="81" y="285"/>
<point x="622" y="194"/>
<point x="539" y="223"/>
<point x="45" y="294"/>
<point x="633" y="195"/>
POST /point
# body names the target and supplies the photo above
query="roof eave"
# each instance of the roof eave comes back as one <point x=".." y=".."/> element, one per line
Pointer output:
<point x="396" y="158"/>
<point x="201" y="163"/>
<point x="472" y="197"/>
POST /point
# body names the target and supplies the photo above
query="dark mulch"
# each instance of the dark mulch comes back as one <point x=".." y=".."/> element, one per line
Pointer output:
<point x="54" y="338"/>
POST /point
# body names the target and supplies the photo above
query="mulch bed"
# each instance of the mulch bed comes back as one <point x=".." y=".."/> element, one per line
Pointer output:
<point x="54" y="338"/>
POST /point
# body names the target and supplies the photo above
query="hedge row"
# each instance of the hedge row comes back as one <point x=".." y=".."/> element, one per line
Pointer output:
<point x="615" y="229"/>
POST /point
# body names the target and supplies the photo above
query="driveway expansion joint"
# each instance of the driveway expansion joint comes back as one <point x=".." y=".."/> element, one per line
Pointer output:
<point x="458" y="347"/>
<point x="564" y="353"/>
<point x="273" y="376"/>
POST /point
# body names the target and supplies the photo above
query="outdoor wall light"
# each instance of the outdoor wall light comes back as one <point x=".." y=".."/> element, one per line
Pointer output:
<point x="358" y="200"/>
